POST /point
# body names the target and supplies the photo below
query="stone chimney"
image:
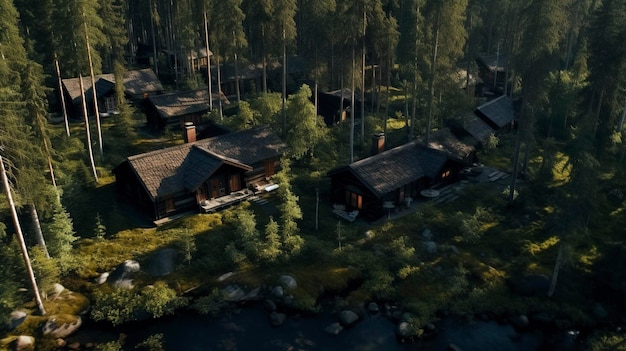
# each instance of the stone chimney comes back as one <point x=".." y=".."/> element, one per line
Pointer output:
<point x="189" y="132"/>
<point x="378" y="143"/>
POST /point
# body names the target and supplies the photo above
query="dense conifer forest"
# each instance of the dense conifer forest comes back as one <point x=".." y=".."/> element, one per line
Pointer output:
<point x="408" y="68"/>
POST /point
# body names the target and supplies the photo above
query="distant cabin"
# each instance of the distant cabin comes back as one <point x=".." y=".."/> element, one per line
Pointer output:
<point x="177" y="108"/>
<point x="138" y="85"/>
<point x="204" y="174"/>
<point x="497" y="113"/>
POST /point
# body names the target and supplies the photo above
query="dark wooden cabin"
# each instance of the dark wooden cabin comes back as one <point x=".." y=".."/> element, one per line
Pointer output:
<point x="391" y="176"/>
<point x="138" y="85"/>
<point x="176" y="109"/>
<point x="182" y="178"/>
<point x="497" y="113"/>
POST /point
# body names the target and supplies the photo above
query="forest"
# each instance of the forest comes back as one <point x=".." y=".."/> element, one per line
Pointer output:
<point x="409" y="67"/>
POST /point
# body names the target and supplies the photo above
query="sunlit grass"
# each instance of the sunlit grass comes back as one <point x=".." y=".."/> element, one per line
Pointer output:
<point x="561" y="170"/>
<point x="537" y="248"/>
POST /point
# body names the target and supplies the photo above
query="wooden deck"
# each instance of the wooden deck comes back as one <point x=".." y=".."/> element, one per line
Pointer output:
<point x="219" y="203"/>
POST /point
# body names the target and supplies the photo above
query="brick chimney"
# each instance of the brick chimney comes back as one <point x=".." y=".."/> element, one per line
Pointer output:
<point x="378" y="143"/>
<point x="189" y="133"/>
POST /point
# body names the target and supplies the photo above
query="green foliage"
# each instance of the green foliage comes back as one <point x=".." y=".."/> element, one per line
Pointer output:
<point x="122" y="305"/>
<point x="303" y="127"/>
<point x="492" y="142"/>
<point x="100" y="230"/>
<point x="109" y="346"/>
<point x="186" y="244"/>
<point x="47" y="270"/>
<point x="272" y="247"/>
<point x="60" y="236"/>
<point x="379" y="285"/>
<point x="152" y="343"/>
<point x="212" y="304"/>
<point x="266" y="107"/>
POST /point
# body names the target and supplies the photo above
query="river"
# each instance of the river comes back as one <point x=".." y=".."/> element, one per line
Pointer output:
<point x="249" y="329"/>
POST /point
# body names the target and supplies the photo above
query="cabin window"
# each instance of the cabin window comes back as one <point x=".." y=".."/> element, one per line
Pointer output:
<point x="354" y="200"/>
<point x="201" y="193"/>
<point x="445" y="174"/>
<point x="269" y="168"/>
<point x="109" y="104"/>
<point x="169" y="205"/>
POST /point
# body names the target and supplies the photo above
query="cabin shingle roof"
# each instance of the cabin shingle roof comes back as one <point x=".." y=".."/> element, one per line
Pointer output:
<point x="476" y="127"/>
<point x="183" y="168"/>
<point x="180" y="103"/>
<point x="136" y="82"/>
<point x="396" y="167"/>
<point x="444" y="140"/>
<point x="497" y="112"/>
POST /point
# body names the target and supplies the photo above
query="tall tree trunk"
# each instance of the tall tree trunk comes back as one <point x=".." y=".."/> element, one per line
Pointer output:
<point x="555" y="272"/>
<point x="415" y="68"/>
<point x="431" y="83"/>
<point x="94" y="93"/>
<point x="20" y="238"/>
<point x="284" y="91"/>
<point x="219" y="86"/>
<point x="362" y="139"/>
<point x="341" y="99"/>
<point x="516" y="151"/>
<point x="237" y="89"/>
<point x="264" y="64"/>
<point x="82" y="95"/>
<point x="34" y="216"/>
<point x="352" y="104"/>
<point x="155" y="58"/>
<point x="208" y="61"/>
<point x="56" y="65"/>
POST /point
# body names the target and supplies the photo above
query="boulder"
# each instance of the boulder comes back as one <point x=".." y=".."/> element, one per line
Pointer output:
<point x="347" y="318"/>
<point x="61" y="326"/>
<point x="599" y="311"/>
<point x="404" y="330"/>
<point x="122" y="273"/>
<point x="269" y="305"/>
<point x="126" y="284"/>
<point x="520" y="321"/>
<point x="225" y="276"/>
<point x="453" y="347"/>
<point x="543" y="319"/>
<point x="57" y="289"/>
<point x="334" y="328"/>
<point x="407" y="316"/>
<point x="278" y="291"/>
<point x="23" y="343"/>
<point x="288" y="281"/>
<point x="373" y="307"/>
<point x="427" y="234"/>
<point x="430" y="246"/>
<point x="162" y="262"/>
<point x="74" y="346"/>
<point x="16" y="318"/>
<point x="102" y="278"/>
<point x="277" y="319"/>
<point x="233" y="293"/>
<point x="532" y="285"/>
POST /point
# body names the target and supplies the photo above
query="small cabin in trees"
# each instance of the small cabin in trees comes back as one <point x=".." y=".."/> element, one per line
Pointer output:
<point x="492" y="71"/>
<point x="138" y="85"/>
<point x="206" y="174"/>
<point x="392" y="177"/>
<point x="176" y="109"/>
<point x="497" y="113"/>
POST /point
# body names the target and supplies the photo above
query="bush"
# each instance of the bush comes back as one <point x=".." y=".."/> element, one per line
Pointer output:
<point x="122" y="305"/>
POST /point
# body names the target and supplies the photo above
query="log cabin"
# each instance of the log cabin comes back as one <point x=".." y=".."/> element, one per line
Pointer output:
<point x="138" y="85"/>
<point x="207" y="175"/>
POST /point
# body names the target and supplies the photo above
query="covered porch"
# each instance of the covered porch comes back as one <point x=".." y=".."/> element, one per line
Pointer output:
<point x="216" y="204"/>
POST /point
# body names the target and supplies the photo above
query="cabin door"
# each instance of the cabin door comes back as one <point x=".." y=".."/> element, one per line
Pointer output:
<point x="215" y="188"/>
